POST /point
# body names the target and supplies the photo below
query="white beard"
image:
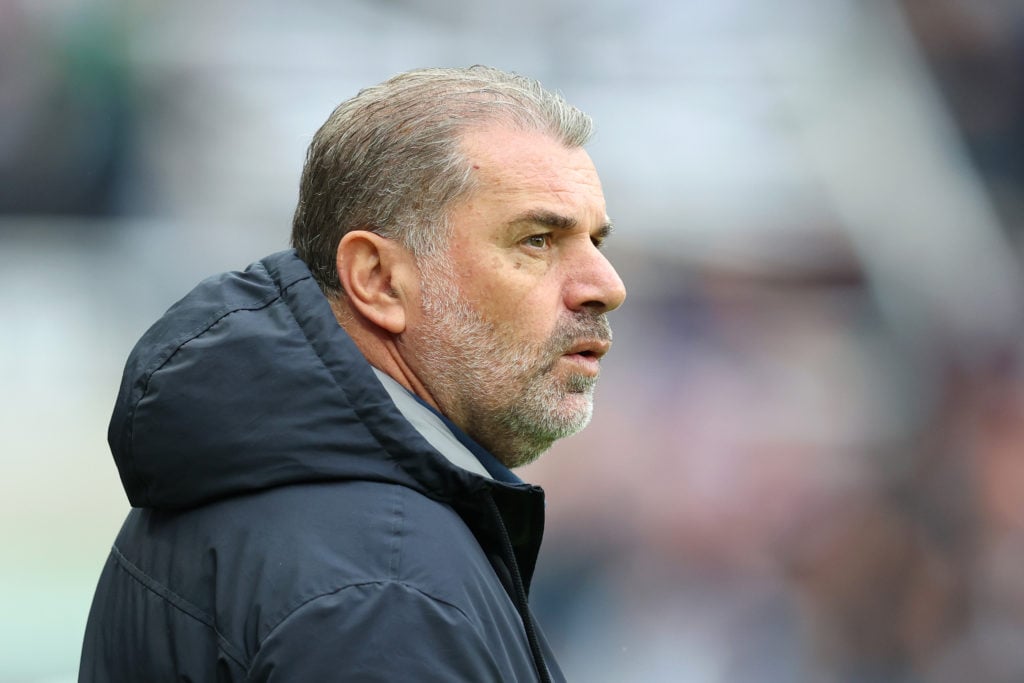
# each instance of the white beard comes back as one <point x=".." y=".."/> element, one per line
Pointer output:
<point x="500" y="389"/>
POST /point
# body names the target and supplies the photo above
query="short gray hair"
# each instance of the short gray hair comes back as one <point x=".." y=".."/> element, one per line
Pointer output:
<point x="389" y="159"/>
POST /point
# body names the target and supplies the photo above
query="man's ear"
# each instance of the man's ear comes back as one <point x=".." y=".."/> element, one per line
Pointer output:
<point x="375" y="272"/>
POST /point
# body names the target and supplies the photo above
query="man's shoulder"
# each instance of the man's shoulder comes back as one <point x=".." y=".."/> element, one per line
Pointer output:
<point x="267" y="573"/>
<point x="393" y="564"/>
<point x="357" y="538"/>
<point x="282" y="548"/>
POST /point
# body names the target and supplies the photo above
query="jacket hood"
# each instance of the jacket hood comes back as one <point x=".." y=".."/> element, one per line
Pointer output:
<point x="248" y="383"/>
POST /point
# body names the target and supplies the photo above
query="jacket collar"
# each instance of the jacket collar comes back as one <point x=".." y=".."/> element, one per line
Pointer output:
<point x="431" y="426"/>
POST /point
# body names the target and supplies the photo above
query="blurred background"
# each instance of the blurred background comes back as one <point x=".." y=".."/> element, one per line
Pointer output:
<point x="807" y="457"/>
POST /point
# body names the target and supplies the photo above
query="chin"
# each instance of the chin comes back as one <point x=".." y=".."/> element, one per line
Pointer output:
<point x="571" y="417"/>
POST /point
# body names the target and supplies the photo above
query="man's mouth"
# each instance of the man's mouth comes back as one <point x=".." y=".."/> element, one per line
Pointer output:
<point x="589" y="348"/>
<point x="587" y="354"/>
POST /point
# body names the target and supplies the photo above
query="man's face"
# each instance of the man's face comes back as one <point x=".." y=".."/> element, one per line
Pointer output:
<point x="511" y="324"/>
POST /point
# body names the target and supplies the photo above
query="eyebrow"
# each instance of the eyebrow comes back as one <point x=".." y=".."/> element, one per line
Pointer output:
<point x="559" y="221"/>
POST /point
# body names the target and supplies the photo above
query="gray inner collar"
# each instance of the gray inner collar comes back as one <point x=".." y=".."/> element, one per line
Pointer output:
<point x="430" y="426"/>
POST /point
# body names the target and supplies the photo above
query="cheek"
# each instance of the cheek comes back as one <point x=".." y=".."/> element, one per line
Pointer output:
<point x="531" y="316"/>
<point x="491" y="283"/>
<point x="520" y="300"/>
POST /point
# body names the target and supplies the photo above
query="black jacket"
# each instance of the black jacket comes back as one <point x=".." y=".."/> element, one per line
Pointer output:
<point x="288" y="523"/>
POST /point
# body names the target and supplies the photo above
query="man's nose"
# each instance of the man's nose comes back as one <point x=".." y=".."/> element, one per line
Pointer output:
<point x="595" y="285"/>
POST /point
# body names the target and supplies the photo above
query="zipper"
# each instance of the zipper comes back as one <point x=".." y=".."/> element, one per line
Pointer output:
<point x="520" y="599"/>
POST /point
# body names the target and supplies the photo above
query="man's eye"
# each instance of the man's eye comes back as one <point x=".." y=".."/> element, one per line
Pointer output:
<point x="538" y="241"/>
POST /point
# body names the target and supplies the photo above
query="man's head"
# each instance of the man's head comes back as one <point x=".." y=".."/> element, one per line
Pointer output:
<point x="487" y="294"/>
<point x="389" y="159"/>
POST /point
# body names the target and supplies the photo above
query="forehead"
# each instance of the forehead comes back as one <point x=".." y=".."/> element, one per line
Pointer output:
<point x="520" y="169"/>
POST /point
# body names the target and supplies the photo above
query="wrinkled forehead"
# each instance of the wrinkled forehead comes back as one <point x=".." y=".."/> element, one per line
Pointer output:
<point x="517" y="165"/>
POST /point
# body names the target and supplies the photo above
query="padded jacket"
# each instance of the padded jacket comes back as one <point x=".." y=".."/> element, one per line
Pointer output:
<point x="288" y="523"/>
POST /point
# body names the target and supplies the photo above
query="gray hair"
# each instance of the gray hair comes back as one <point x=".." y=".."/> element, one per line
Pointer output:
<point x="389" y="159"/>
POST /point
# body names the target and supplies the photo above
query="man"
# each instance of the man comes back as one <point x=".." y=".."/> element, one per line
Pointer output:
<point x="317" y="450"/>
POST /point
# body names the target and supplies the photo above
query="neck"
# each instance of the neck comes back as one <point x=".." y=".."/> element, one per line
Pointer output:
<point x="380" y="348"/>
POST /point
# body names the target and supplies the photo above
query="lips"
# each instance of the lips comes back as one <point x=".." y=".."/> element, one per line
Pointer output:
<point x="586" y="355"/>
<point x="589" y="348"/>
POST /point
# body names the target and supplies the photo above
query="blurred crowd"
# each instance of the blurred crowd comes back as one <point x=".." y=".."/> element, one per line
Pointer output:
<point x="807" y="457"/>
